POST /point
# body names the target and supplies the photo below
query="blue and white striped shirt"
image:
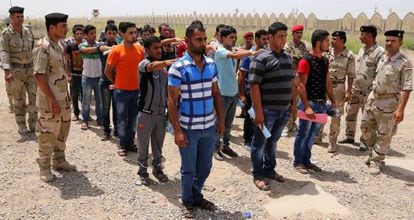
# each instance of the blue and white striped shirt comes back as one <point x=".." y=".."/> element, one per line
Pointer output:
<point x="196" y="107"/>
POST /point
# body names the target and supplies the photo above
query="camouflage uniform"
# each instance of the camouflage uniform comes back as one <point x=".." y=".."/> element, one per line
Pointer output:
<point x="366" y="65"/>
<point x="16" y="56"/>
<point x="394" y="75"/>
<point x="297" y="52"/>
<point x="341" y="68"/>
<point x="53" y="130"/>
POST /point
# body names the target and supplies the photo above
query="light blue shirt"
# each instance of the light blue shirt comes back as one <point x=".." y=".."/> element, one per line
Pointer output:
<point x="226" y="72"/>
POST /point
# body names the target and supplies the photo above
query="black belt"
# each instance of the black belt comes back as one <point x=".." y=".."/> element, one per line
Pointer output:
<point x="19" y="65"/>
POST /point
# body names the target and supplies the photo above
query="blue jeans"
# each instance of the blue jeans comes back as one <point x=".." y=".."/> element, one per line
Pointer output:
<point x="127" y="111"/>
<point x="263" y="152"/>
<point x="306" y="134"/>
<point x="89" y="84"/>
<point x="196" y="163"/>
<point x="107" y="96"/>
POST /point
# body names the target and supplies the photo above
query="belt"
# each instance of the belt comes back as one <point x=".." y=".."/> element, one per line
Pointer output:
<point x="337" y="82"/>
<point x="19" y="65"/>
<point x="386" y="96"/>
<point x="318" y="100"/>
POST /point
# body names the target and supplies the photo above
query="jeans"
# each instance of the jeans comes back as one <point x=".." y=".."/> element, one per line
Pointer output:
<point x="127" y="111"/>
<point x="229" y="111"/>
<point x="263" y="152"/>
<point x="107" y="97"/>
<point x="76" y="92"/>
<point x="196" y="163"/>
<point x="306" y="134"/>
<point x="248" y="122"/>
<point x="89" y="84"/>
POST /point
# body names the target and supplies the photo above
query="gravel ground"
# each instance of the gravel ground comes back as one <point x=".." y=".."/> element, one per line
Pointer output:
<point x="104" y="186"/>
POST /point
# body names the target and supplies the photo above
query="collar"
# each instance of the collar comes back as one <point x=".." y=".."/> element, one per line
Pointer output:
<point x="53" y="43"/>
<point x="191" y="60"/>
<point x="393" y="58"/>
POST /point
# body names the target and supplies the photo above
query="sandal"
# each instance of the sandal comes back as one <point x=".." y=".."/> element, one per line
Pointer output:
<point x="122" y="152"/>
<point x="261" y="184"/>
<point x="159" y="174"/>
<point x="277" y="177"/>
<point x="313" y="167"/>
<point x="206" y="205"/>
<point x="301" y="169"/>
<point x="188" y="212"/>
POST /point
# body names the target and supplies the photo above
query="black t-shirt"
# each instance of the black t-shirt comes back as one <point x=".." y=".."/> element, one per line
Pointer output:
<point x="75" y="59"/>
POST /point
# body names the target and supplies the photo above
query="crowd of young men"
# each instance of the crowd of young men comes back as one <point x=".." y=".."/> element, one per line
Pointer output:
<point x="141" y="76"/>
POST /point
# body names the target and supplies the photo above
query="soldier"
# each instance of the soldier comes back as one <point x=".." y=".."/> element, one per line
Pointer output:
<point x="386" y="103"/>
<point x="16" y="45"/>
<point x="297" y="48"/>
<point x="341" y="70"/>
<point x="366" y="64"/>
<point x="53" y="99"/>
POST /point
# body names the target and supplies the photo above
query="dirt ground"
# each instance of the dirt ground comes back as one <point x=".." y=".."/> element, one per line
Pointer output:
<point x="104" y="185"/>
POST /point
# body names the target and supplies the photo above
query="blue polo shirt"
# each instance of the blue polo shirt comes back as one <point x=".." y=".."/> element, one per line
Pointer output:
<point x="226" y="72"/>
<point x="196" y="107"/>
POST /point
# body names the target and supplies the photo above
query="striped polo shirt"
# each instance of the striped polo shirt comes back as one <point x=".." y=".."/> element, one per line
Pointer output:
<point x="92" y="66"/>
<point x="274" y="74"/>
<point x="196" y="108"/>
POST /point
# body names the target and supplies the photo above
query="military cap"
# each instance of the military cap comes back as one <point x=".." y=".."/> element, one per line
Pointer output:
<point x="16" y="9"/>
<point x="369" y="29"/>
<point x="248" y="34"/>
<point x="297" y="27"/>
<point x="394" y="33"/>
<point x="56" y="18"/>
<point x="340" y="34"/>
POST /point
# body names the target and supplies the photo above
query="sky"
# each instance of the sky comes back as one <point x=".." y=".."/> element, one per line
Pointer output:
<point x="323" y="9"/>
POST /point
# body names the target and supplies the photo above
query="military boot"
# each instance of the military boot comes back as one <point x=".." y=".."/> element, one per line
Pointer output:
<point x="32" y="126"/>
<point x="375" y="168"/>
<point x="46" y="174"/>
<point x="59" y="162"/>
<point x="22" y="129"/>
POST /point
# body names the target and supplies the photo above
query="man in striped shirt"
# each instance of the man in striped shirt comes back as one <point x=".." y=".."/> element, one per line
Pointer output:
<point x="192" y="93"/>
<point x="272" y="89"/>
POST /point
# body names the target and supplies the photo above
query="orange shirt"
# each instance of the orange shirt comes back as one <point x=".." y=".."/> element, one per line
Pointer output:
<point x="126" y="60"/>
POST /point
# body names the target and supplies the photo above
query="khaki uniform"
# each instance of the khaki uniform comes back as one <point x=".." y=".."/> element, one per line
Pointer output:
<point x="296" y="52"/>
<point x="395" y="74"/>
<point x="53" y="130"/>
<point x="366" y="65"/>
<point x="16" y="56"/>
<point x="341" y="68"/>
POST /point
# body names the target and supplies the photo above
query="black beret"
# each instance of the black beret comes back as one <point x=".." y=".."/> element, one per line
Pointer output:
<point x="340" y="34"/>
<point x="369" y="29"/>
<point x="56" y="18"/>
<point x="16" y="9"/>
<point x="394" y="33"/>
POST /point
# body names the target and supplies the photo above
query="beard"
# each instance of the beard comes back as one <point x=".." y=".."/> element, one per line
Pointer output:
<point x="198" y="51"/>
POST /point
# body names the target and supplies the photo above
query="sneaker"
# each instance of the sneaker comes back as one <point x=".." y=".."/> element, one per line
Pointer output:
<point x="248" y="146"/>
<point x="285" y="132"/>
<point x="160" y="175"/>
<point x="347" y="141"/>
<point x="143" y="180"/>
<point x="218" y="156"/>
<point x="229" y="152"/>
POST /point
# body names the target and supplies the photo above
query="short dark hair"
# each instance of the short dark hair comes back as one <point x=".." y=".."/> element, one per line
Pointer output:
<point x="220" y="26"/>
<point x="318" y="35"/>
<point x="88" y="28"/>
<point x="275" y="27"/>
<point x="260" y="33"/>
<point x="194" y="26"/>
<point x="152" y="30"/>
<point x="110" y="21"/>
<point x="227" y="30"/>
<point x="153" y="39"/>
<point x="111" y="27"/>
<point x="160" y="26"/>
<point x="77" y="27"/>
<point x="123" y="26"/>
